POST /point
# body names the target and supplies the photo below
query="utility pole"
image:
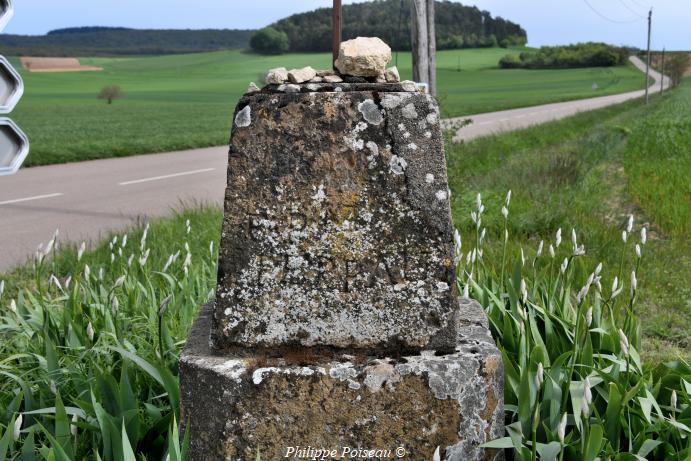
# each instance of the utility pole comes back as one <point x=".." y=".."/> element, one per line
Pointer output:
<point x="419" y="41"/>
<point x="647" y="65"/>
<point x="662" y="71"/>
<point x="337" y="29"/>
<point x="432" y="44"/>
<point x="424" y="43"/>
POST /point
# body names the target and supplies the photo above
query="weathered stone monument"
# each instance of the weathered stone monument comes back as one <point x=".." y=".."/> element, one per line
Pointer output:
<point x="337" y="326"/>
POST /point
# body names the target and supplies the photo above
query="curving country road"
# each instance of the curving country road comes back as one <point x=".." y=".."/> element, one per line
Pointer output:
<point x="86" y="200"/>
<point x="514" y="119"/>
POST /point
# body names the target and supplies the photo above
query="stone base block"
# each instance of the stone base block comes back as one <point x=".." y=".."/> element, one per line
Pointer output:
<point x="309" y="400"/>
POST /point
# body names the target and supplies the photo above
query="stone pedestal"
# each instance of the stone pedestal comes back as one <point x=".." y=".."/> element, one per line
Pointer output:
<point x="337" y="323"/>
<point x="337" y="228"/>
<point x="238" y="405"/>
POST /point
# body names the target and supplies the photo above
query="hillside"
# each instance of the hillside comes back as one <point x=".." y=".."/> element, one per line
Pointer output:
<point x="106" y="41"/>
<point x="458" y="26"/>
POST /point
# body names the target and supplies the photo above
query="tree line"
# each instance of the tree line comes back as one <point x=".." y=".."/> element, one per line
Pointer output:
<point x="458" y="26"/>
<point x="106" y="41"/>
<point x="591" y="54"/>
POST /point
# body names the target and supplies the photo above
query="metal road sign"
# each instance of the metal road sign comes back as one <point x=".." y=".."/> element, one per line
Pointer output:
<point x="11" y="86"/>
<point x="6" y="13"/>
<point x="14" y="145"/>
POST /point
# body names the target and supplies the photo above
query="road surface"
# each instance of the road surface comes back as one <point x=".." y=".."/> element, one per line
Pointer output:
<point x="86" y="200"/>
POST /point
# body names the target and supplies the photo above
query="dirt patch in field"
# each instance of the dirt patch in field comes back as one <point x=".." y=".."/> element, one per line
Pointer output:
<point x="56" y="65"/>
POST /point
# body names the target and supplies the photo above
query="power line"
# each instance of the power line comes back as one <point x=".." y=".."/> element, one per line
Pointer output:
<point x="639" y="4"/>
<point x="606" y="18"/>
<point x="631" y="9"/>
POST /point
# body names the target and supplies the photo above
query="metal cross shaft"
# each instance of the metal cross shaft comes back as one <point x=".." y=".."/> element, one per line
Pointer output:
<point x="337" y="29"/>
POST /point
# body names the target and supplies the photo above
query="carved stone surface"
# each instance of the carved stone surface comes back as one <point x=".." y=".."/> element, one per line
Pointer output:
<point x="337" y="228"/>
<point x="237" y="405"/>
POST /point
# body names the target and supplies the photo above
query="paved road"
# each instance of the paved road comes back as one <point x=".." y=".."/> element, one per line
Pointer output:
<point x="84" y="200"/>
<point x="87" y="199"/>
<point x="514" y="119"/>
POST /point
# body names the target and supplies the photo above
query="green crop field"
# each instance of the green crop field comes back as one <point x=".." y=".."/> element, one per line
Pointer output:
<point x="186" y="101"/>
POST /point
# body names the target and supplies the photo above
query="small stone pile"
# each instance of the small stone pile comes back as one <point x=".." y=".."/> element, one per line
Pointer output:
<point x="361" y="60"/>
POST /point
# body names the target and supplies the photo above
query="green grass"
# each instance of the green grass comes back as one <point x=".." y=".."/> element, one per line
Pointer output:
<point x="88" y="378"/>
<point x="590" y="172"/>
<point x="575" y="387"/>
<point x="67" y="348"/>
<point x="186" y="101"/>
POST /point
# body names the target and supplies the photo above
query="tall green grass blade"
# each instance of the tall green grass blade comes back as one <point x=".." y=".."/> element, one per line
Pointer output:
<point x="127" y="452"/>
<point x="592" y="447"/>
<point x="62" y="426"/>
<point x="612" y="415"/>
<point x="29" y="447"/>
<point x="161" y="374"/>
<point x="58" y="452"/>
<point x="549" y="451"/>
<point x="6" y="439"/>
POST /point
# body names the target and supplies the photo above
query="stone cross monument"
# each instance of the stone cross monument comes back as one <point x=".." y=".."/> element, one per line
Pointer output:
<point x="337" y="324"/>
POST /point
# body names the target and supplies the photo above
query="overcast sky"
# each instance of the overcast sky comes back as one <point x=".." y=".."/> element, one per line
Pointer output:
<point x="547" y="21"/>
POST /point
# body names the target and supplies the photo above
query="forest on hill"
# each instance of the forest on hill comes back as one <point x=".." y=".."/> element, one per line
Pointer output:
<point x="458" y="26"/>
<point x="113" y="41"/>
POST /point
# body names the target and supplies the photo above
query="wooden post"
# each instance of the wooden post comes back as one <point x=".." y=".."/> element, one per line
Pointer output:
<point x="662" y="71"/>
<point x="432" y="46"/>
<point x="337" y="29"/>
<point x="420" y="42"/>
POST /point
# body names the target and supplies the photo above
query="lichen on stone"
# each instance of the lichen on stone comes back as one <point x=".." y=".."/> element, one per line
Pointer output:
<point x="243" y="118"/>
<point x="398" y="165"/>
<point x="371" y="112"/>
<point x="409" y="112"/>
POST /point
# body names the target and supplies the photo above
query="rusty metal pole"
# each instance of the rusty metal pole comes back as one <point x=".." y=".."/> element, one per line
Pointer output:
<point x="337" y="30"/>
<point x="647" y="62"/>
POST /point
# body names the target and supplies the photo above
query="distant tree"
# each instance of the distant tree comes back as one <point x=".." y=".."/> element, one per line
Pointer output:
<point x="510" y="61"/>
<point x="490" y="41"/>
<point x="676" y="65"/>
<point x="471" y="41"/>
<point x="269" y="41"/>
<point x="567" y="57"/>
<point x="452" y="42"/>
<point x="110" y="93"/>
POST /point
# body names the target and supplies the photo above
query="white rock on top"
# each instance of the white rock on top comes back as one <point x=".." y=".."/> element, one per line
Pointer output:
<point x="277" y="76"/>
<point x="302" y="75"/>
<point x="363" y="57"/>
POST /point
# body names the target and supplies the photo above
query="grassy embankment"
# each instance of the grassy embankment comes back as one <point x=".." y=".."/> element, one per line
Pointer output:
<point x="591" y="172"/>
<point x="89" y="373"/>
<point x="186" y="101"/>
